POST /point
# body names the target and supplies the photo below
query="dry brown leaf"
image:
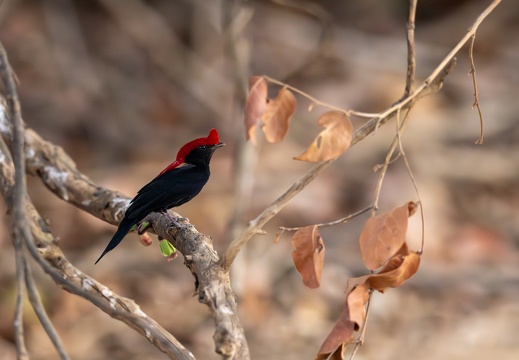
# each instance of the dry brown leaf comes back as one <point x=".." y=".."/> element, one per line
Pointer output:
<point x="255" y="105"/>
<point x="396" y="272"/>
<point x="308" y="255"/>
<point x="332" y="141"/>
<point x="338" y="354"/>
<point x="383" y="235"/>
<point x="277" y="115"/>
<point x="350" y="320"/>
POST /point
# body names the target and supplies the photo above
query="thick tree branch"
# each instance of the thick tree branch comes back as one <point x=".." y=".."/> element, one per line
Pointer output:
<point x="213" y="285"/>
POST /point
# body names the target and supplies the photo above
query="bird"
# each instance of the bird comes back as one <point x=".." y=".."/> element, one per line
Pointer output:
<point x="177" y="184"/>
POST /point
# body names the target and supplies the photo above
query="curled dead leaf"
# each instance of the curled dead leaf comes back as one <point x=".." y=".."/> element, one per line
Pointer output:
<point x="383" y="235"/>
<point x="352" y="317"/>
<point x="397" y="271"/>
<point x="308" y="255"/>
<point x="332" y="141"/>
<point x="277" y="115"/>
<point x="255" y="105"/>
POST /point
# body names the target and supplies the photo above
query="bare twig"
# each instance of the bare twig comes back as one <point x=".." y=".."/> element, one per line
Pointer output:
<point x="21" y="349"/>
<point x="431" y="83"/>
<point x="411" y="176"/>
<point x="360" y="339"/>
<point x="332" y="223"/>
<point x="18" y="196"/>
<point x="315" y="101"/>
<point x="411" y="56"/>
<point x="39" y="310"/>
<point x="476" y="92"/>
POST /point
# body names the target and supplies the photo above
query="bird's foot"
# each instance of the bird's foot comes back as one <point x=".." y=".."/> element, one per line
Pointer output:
<point x="145" y="239"/>
<point x="141" y="228"/>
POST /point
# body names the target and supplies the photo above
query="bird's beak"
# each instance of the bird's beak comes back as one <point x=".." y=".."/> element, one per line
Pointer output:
<point x="219" y="145"/>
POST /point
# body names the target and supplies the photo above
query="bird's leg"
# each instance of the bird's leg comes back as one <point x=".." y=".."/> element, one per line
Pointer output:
<point x="141" y="228"/>
<point x="141" y="231"/>
<point x="145" y="239"/>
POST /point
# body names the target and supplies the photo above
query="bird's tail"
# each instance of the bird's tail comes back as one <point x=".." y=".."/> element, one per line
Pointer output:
<point x="122" y="230"/>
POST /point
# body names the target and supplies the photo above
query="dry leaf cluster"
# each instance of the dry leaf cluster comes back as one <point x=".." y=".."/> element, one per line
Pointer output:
<point x="273" y="117"/>
<point x="383" y="245"/>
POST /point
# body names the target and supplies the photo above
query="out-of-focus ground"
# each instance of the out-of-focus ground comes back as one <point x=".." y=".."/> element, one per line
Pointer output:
<point x="122" y="84"/>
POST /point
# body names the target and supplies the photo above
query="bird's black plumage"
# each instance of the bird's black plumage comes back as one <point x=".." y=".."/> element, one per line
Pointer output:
<point x="176" y="185"/>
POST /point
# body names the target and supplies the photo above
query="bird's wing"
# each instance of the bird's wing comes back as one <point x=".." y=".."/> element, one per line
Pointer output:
<point x="162" y="193"/>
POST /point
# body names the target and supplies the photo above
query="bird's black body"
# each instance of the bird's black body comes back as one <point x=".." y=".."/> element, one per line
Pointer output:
<point x="176" y="185"/>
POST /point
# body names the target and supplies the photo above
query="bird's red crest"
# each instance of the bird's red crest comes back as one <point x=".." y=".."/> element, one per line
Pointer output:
<point x="211" y="139"/>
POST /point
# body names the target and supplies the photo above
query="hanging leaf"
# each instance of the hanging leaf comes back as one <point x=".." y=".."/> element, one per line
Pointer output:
<point x="397" y="271"/>
<point x="255" y="105"/>
<point x="308" y="255"/>
<point x="383" y="235"/>
<point x="332" y="141"/>
<point x="352" y="317"/>
<point x="276" y="117"/>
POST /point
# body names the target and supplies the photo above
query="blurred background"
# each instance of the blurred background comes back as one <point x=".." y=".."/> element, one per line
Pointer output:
<point x="121" y="85"/>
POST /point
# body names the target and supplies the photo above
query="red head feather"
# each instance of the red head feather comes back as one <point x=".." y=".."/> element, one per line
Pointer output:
<point x="211" y="139"/>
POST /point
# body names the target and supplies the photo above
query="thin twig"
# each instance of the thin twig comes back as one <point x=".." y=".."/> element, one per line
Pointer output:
<point x="411" y="56"/>
<point x="411" y="176"/>
<point x="360" y="339"/>
<point x="315" y="101"/>
<point x="18" y="215"/>
<point x="21" y="349"/>
<point x="331" y="223"/>
<point x="39" y="310"/>
<point x="476" y="92"/>
<point x="382" y="175"/>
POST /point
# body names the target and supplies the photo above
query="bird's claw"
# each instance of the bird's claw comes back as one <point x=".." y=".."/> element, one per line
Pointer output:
<point x="145" y="239"/>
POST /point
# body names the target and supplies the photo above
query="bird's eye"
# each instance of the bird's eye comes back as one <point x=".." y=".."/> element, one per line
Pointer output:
<point x="203" y="147"/>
